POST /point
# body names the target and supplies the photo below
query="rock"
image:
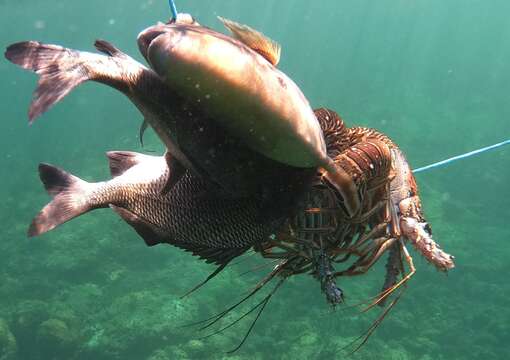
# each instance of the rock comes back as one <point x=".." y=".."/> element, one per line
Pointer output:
<point x="8" y="346"/>
<point x="26" y="319"/>
<point x="55" y="339"/>
<point x="170" y="353"/>
<point x="195" y="348"/>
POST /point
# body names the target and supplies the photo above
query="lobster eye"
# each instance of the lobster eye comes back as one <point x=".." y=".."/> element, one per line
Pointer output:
<point x="428" y="229"/>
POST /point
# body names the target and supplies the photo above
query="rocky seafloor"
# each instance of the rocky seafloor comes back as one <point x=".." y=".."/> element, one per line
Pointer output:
<point x="93" y="290"/>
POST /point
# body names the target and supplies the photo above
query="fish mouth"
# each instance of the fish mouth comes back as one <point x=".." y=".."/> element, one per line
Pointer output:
<point x="147" y="36"/>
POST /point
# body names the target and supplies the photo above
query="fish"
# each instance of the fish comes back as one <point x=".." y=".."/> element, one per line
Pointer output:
<point x="217" y="102"/>
<point x="189" y="216"/>
<point x="232" y="76"/>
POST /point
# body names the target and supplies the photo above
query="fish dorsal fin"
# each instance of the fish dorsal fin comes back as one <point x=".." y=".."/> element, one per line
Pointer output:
<point x="109" y="49"/>
<point x="175" y="172"/>
<point x="120" y="161"/>
<point x="255" y="40"/>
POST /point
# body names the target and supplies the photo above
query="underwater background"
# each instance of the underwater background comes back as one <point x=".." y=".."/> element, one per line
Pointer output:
<point x="432" y="74"/>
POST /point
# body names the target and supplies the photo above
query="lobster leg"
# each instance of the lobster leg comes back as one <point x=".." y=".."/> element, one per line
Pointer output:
<point x="394" y="267"/>
<point x="362" y="268"/>
<point x="375" y="231"/>
<point x="372" y="247"/>
<point x="363" y="218"/>
<point x="391" y="289"/>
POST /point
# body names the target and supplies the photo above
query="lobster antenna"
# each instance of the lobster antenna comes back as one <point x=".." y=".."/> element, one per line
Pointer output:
<point x="462" y="156"/>
<point x="173" y="8"/>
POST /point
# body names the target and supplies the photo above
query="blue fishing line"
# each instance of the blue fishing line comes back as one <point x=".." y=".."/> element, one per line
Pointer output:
<point x="173" y="8"/>
<point x="463" y="156"/>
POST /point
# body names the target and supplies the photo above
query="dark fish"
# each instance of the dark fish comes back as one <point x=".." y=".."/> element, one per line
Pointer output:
<point x="233" y="77"/>
<point x="189" y="216"/>
<point x="220" y="107"/>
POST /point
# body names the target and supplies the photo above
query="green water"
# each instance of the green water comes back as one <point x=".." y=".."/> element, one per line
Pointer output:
<point x="432" y="74"/>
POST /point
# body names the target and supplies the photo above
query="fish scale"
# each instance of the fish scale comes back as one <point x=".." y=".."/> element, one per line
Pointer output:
<point x="189" y="215"/>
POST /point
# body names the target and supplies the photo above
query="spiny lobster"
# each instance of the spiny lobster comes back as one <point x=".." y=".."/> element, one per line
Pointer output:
<point x="388" y="215"/>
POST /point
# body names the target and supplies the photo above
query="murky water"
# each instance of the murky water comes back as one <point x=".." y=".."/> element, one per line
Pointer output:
<point x="433" y="75"/>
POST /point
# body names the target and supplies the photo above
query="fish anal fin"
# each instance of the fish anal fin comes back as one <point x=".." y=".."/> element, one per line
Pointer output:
<point x="177" y="170"/>
<point x="255" y="40"/>
<point x="142" y="227"/>
<point x="218" y="256"/>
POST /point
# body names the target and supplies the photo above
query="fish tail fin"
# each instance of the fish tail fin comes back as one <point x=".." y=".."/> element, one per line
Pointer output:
<point x="59" y="69"/>
<point x="70" y="199"/>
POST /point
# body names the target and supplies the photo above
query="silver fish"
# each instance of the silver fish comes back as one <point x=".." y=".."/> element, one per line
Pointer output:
<point x="189" y="216"/>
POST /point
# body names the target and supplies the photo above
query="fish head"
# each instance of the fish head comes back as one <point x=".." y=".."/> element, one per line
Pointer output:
<point x="146" y="37"/>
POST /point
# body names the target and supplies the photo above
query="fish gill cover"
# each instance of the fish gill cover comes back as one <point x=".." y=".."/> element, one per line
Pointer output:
<point x="431" y="75"/>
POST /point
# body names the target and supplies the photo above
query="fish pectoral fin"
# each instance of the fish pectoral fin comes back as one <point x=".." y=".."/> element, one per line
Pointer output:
<point x="143" y="228"/>
<point x="177" y="170"/>
<point x="255" y="40"/>
<point x="143" y="127"/>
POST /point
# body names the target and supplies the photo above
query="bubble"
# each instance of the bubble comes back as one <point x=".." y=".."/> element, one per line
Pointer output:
<point x="39" y="24"/>
<point x="446" y="196"/>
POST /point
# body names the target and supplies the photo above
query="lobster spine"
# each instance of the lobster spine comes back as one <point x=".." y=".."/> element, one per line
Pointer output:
<point x="366" y="161"/>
